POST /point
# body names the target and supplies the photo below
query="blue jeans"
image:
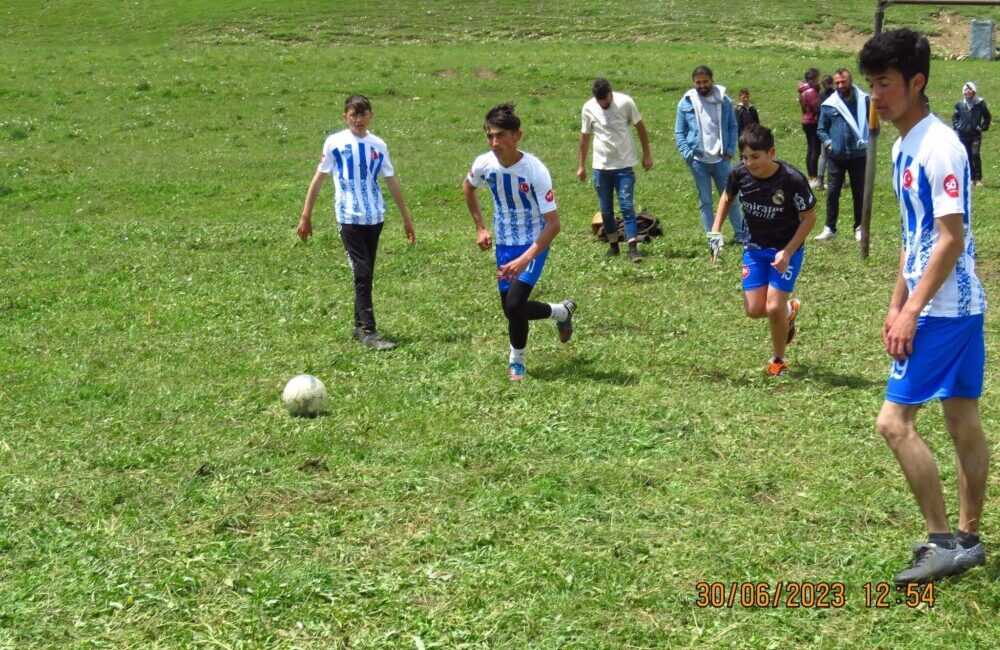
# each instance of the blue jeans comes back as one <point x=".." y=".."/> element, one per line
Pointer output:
<point x="608" y="182"/>
<point x="704" y="174"/>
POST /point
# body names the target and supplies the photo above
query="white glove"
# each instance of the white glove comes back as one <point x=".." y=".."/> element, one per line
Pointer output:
<point x="715" y="244"/>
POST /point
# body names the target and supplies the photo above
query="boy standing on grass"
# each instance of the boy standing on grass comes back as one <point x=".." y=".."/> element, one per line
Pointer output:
<point x="934" y="327"/>
<point x="778" y="213"/>
<point x="607" y="116"/>
<point x="524" y="221"/>
<point x="355" y="159"/>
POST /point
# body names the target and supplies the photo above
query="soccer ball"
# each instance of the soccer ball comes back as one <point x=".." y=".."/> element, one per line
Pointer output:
<point x="304" y="396"/>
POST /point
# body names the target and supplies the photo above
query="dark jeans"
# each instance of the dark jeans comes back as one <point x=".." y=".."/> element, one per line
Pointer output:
<point x="837" y="168"/>
<point x="609" y="182"/>
<point x="812" y="150"/>
<point x="975" y="160"/>
<point x="361" y="244"/>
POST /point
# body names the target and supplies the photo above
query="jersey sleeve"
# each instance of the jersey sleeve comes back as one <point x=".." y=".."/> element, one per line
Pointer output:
<point x="326" y="159"/>
<point x="386" y="170"/>
<point x="802" y="195"/>
<point x="945" y="169"/>
<point x="542" y="183"/>
<point x="733" y="183"/>
<point x="475" y="173"/>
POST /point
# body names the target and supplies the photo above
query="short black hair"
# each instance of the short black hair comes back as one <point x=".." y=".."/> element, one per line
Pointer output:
<point x="602" y="88"/>
<point x="844" y="71"/>
<point x="743" y="91"/>
<point x="359" y="104"/>
<point x="812" y="74"/>
<point x="757" y="138"/>
<point x="702" y="69"/>
<point x="502" y="116"/>
<point x="827" y="80"/>
<point x="903" y="49"/>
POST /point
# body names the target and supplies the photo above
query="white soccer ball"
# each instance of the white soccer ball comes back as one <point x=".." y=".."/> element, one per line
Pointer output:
<point x="304" y="396"/>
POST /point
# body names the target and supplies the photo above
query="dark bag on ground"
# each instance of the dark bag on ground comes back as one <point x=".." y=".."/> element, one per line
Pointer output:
<point x="647" y="226"/>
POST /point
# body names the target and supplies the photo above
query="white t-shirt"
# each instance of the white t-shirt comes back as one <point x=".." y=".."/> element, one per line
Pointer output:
<point x="522" y="193"/>
<point x="931" y="178"/>
<point x="613" y="146"/>
<point x="355" y="165"/>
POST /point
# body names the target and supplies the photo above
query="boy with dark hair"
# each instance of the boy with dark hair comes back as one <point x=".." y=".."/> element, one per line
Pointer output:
<point x="934" y="327"/>
<point x="355" y="158"/>
<point x="607" y="116"/>
<point x="746" y="114"/>
<point x="525" y="222"/>
<point x="779" y="210"/>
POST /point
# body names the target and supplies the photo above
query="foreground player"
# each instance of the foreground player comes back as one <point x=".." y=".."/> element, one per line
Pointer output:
<point x="525" y="223"/>
<point x="355" y="158"/>
<point x="779" y="210"/>
<point x="934" y="327"/>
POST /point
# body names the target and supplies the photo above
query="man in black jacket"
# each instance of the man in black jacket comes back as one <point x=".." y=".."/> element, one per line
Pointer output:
<point x="971" y="118"/>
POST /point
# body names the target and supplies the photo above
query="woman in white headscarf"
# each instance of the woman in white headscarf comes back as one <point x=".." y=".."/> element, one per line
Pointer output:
<point x="970" y="119"/>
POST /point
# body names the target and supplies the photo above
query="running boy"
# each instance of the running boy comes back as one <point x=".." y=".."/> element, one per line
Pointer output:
<point x="779" y="210"/>
<point x="525" y="223"/>
<point x="355" y="159"/>
<point x="934" y="326"/>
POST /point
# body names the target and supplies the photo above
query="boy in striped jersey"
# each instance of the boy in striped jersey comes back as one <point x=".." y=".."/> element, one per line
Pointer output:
<point x="934" y="326"/>
<point x="355" y="159"/>
<point x="525" y="222"/>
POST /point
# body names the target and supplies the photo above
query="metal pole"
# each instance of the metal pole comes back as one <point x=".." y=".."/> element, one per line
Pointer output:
<point x="870" y="153"/>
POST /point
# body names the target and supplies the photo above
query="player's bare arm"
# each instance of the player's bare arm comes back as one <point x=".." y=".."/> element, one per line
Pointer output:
<point x="483" y="238"/>
<point x="397" y="195"/>
<point x="517" y="265"/>
<point x="305" y="223"/>
<point x="944" y="256"/>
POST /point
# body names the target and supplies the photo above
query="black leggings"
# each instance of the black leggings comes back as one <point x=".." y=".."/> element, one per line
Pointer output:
<point x="812" y="150"/>
<point x="519" y="310"/>
<point x="361" y="244"/>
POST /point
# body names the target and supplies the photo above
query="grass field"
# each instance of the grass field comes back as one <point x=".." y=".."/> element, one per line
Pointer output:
<point x="154" y="299"/>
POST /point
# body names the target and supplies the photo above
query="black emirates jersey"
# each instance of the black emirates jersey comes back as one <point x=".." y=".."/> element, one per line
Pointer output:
<point x="771" y="206"/>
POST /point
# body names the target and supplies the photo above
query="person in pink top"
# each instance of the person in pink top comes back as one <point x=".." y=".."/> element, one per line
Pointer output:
<point x="809" y="102"/>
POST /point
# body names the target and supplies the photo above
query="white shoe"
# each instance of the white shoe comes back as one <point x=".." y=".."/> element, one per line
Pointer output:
<point x="857" y="233"/>
<point x="826" y="235"/>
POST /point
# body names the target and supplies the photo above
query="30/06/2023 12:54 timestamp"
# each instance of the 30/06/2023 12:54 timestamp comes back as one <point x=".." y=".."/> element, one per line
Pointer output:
<point x="810" y="595"/>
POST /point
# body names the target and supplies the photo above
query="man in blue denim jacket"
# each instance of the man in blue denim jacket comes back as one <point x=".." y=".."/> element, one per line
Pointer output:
<point x="706" y="135"/>
<point x="843" y="132"/>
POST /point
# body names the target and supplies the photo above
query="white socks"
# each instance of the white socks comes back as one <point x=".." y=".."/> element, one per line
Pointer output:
<point x="559" y="311"/>
<point x="516" y="356"/>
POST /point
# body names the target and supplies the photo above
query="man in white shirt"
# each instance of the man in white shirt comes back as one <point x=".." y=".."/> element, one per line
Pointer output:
<point x="607" y="117"/>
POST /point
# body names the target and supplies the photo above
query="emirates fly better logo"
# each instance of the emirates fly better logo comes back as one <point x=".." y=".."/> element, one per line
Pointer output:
<point x="951" y="186"/>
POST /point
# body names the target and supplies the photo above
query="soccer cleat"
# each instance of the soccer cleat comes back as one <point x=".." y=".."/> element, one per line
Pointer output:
<point x="826" y="235"/>
<point x="613" y="250"/>
<point x="375" y="342"/>
<point x="633" y="252"/>
<point x="516" y="371"/>
<point x="795" y="303"/>
<point x="857" y="234"/>
<point x="777" y="368"/>
<point x="565" y="327"/>
<point x="970" y="557"/>
<point x="930" y="562"/>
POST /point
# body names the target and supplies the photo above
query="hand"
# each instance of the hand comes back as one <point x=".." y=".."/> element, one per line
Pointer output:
<point x="305" y="227"/>
<point x="411" y="234"/>
<point x="647" y="161"/>
<point x="483" y="239"/>
<point x="727" y="156"/>
<point x="513" y="268"/>
<point x="715" y="244"/>
<point x="898" y="334"/>
<point x="780" y="263"/>
<point x="581" y="173"/>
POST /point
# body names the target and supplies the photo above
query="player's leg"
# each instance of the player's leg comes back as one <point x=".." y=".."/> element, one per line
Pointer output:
<point x="972" y="459"/>
<point x="754" y="283"/>
<point x="703" y="184"/>
<point x="777" y="319"/>
<point x="836" y="169"/>
<point x="604" y="186"/>
<point x="519" y="311"/>
<point x="625" y="189"/>
<point x="720" y="174"/>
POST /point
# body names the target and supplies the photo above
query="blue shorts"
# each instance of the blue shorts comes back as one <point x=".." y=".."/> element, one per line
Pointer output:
<point x="949" y="355"/>
<point x="758" y="272"/>
<point x="530" y="274"/>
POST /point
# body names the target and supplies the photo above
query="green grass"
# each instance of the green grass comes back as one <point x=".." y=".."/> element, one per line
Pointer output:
<point x="154" y="300"/>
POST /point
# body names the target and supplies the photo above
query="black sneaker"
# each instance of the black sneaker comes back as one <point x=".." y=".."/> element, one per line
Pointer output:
<point x="633" y="252"/>
<point x="375" y="342"/>
<point x="970" y="557"/>
<point x="565" y="327"/>
<point x="930" y="562"/>
<point x="613" y="250"/>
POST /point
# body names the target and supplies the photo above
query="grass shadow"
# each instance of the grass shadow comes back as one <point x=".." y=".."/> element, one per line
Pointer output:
<point x="582" y="368"/>
<point x="831" y="378"/>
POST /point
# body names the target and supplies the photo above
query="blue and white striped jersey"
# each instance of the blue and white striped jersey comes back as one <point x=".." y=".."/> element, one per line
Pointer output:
<point x="355" y="164"/>
<point x="931" y="178"/>
<point x="522" y="193"/>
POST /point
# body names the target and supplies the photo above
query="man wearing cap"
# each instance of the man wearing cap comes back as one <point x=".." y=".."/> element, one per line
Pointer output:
<point x="970" y="119"/>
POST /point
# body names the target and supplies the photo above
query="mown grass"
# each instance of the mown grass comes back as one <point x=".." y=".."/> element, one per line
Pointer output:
<point x="154" y="299"/>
